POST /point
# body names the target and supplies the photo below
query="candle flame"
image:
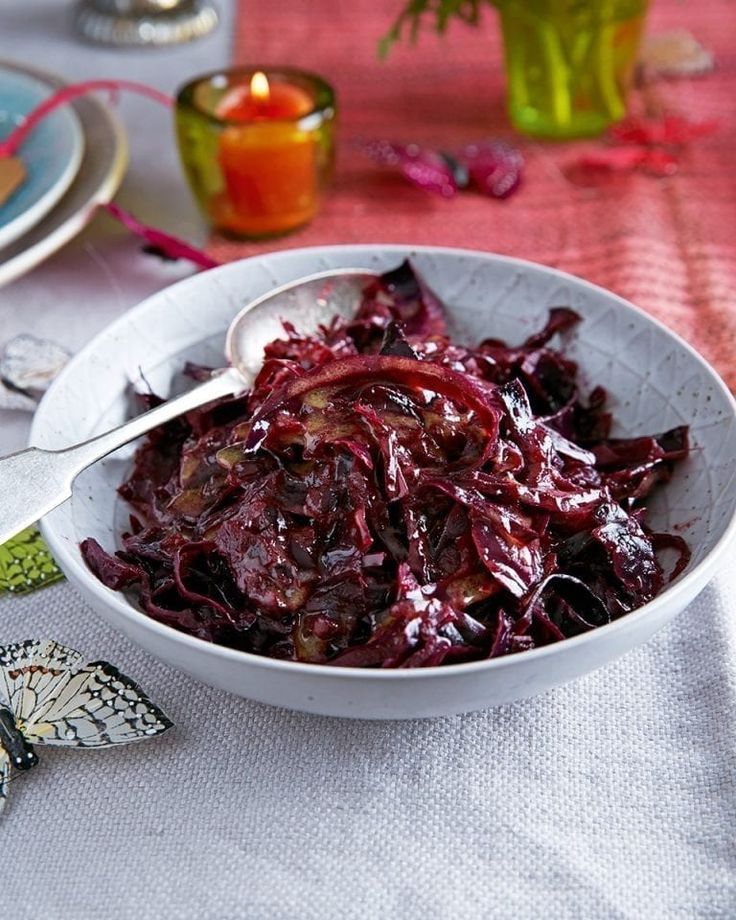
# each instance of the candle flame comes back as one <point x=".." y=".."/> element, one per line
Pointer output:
<point x="259" y="88"/>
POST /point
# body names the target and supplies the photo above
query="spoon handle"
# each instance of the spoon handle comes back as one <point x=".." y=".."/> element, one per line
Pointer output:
<point x="34" y="481"/>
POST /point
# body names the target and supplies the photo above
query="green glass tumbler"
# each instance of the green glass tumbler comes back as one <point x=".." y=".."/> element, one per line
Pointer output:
<point x="569" y="63"/>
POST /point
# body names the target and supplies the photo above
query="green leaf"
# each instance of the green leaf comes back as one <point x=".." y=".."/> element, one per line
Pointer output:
<point x="26" y="564"/>
<point x="415" y="12"/>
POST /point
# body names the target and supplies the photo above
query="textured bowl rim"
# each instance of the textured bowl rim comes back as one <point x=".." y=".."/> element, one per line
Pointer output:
<point x="72" y="563"/>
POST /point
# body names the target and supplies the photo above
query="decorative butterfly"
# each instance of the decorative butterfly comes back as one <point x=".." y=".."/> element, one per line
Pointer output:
<point x="493" y="168"/>
<point x="50" y="695"/>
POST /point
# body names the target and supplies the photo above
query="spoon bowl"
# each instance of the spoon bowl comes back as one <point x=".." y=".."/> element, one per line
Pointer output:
<point x="306" y="304"/>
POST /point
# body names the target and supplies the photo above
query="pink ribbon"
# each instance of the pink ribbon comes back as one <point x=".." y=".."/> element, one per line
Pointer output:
<point x="65" y="95"/>
<point x="169" y="245"/>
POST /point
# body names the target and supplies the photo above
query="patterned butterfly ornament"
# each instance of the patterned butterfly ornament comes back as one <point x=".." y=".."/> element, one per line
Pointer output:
<point x="50" y="695"/>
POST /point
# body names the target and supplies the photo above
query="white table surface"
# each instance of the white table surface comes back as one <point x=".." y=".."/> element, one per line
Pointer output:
<point x="93" y="279"/>
<point x="611" y="798"/>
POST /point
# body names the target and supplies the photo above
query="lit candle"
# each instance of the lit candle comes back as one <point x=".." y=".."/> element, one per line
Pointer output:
<point x="262" y="100"/>
<point x="273" y="149"/>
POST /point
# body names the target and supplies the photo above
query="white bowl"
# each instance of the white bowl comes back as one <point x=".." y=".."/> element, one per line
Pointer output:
<point x="656" y="381"/>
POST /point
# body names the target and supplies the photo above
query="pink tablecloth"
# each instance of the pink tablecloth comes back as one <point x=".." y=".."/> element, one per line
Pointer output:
<point x="667" y="245"/>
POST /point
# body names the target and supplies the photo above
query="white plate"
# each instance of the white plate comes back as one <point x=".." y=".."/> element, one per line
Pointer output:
<point x="656" y="382"/>
<point x="100" y="174"/>
<point x="51" y="153"/>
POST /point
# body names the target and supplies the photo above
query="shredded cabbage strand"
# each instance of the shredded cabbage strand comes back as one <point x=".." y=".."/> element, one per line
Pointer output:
<point x="384" y="497"/>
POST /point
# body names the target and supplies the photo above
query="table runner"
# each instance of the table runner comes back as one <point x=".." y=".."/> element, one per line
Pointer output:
<point x="667" y="245"/>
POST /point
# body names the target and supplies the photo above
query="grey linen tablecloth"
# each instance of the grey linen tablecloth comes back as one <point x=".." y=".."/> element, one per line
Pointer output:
<point x="611" y="798"/>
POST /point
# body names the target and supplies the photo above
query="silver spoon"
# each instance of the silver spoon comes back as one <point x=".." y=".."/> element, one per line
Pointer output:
<point x="35" y="481"/>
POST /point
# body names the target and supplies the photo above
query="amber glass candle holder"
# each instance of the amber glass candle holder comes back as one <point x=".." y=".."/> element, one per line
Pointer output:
<point x="257" y="147"/>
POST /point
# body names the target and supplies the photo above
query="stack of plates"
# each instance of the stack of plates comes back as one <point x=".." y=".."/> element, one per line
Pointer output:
<point x="74" y="160"/>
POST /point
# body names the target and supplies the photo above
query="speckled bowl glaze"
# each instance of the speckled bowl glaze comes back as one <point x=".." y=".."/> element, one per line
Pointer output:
<point x="656" y="381"/>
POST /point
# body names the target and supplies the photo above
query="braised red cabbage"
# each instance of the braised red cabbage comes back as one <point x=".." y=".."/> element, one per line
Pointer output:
<point x="384" y="497"/>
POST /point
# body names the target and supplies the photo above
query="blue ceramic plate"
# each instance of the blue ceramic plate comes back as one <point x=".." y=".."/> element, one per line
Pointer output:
<point x="51" y="154"/>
